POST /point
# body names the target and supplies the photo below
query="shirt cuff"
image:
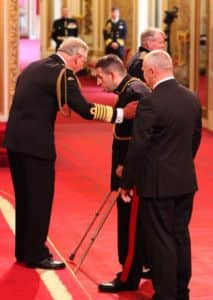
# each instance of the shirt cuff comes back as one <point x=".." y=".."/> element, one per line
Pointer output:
<point x="119" y="116"/>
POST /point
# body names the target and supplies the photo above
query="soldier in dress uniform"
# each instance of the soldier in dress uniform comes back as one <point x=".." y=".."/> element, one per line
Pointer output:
<point x="115" y="33"/>
<point x="151" y="39"/>
<point x="113" y="77"/>
<point x="64" y="27"/>
<point x="43" y="88"/>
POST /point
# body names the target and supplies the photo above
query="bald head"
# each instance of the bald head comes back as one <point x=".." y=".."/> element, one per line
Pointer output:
<point x="159" y="59"/>
<point x="157" y="65"/>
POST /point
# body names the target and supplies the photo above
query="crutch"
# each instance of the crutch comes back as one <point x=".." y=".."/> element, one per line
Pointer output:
<point x="100" y="225"/>
<point x="72" y="255"/>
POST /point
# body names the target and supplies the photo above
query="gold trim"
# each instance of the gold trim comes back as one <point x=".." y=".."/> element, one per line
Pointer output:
<point x="197" y="50"/>
<point x="119" y="138"/>
<point x="120" y="42"/>
<point x="108" y="41"/>
<point x="9" y="38"/>
<point x="64" y="109"/>
<point x="125" y="138"/>
<point x="102" y="112"/>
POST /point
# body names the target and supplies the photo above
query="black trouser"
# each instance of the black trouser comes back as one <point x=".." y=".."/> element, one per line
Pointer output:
<point x="124" y="229"/>
<point x="33" y="181"/>
<point x="165" y="222"/>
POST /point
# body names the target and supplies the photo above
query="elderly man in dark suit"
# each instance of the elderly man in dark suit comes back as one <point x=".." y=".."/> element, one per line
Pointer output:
<point x="151" y="39"/>
<point x="43" y="88"/>
<point x="160" y="163"/>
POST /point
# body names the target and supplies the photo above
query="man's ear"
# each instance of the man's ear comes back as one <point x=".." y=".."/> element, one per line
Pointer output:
<point x="112" y="75"/>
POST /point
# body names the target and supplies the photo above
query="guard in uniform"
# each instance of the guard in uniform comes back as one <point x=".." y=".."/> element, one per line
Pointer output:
<point x="130" y="244"/>
<point x="115" y="33"/>
<point x="151" y="39"/>
<point x="64" y="27"/>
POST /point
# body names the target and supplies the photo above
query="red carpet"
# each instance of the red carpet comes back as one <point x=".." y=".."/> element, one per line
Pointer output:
<point x="83" y="168"/>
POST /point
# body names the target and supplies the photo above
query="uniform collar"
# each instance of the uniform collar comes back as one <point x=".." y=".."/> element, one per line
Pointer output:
<point x="121" y="85"/>
<point x="141" y="49"/>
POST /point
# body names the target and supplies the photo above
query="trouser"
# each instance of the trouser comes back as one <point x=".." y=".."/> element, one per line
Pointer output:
<point x="130" y="240"/>
<point x="33" y="181"/>
<point x="165" y="222"/>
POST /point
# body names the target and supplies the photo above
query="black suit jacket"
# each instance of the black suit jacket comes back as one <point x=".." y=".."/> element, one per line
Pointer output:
<point x="30" y="128"/>
<point x="166" y="136"/>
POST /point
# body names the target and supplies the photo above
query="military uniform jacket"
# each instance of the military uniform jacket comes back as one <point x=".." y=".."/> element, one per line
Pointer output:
<point x="136" y="62"/>
<point x="130" y="89"/>
<point x="63" y="28"/>
<point x="30" y="128"/>
<point x="115" y="32"/>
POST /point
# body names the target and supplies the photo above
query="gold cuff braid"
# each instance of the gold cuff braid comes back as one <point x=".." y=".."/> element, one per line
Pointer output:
<point x="102" y="112"/>
<point x="108" y="41"/>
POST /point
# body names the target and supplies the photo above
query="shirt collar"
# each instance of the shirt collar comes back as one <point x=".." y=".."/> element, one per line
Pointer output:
<point x="162" y="80"/>
<point x="61" y="57"/>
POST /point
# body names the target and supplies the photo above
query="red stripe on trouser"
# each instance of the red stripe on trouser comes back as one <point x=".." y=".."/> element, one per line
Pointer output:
<point x="132" y="233"/>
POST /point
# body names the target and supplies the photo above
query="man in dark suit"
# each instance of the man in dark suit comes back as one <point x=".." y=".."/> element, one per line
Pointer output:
<point x="64" y="27"/>
<point x="43" y="88"/>
<point x="112" y="77"/>
<point x="115" y="34"/>
<point x="151" y="39"/>
<point x="160" y="163"/>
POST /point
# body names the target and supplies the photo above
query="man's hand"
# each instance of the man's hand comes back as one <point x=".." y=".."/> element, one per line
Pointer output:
<point x="130" y="110"/>
<point x="119" y="170"/>
<point x="126" y="195"/>
<point x="114" y="45"/>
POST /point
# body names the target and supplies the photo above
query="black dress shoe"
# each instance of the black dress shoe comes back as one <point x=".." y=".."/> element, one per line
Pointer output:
<point x="116" y="286"/>
<point x="47" y="263"/>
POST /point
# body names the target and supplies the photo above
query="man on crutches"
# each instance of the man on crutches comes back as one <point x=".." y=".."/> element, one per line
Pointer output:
<point x="112" y="76"/>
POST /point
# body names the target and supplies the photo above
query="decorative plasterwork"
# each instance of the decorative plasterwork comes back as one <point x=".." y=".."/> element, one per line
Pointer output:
<point x="88" y="17"/>
<point x="12" y="46"/>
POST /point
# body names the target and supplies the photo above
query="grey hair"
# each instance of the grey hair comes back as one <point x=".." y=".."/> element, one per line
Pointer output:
<point x="73" y="45"/>
<point x="150" y="33"/>
<point x="160" y="59"/>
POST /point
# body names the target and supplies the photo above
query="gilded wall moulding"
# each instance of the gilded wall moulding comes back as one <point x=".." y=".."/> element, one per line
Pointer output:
<point x="12" y="46"/>
<point x="88" y="17"/>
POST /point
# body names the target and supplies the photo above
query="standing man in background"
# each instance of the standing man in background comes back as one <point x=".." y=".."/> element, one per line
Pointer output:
<point x="64" y="27"/>
<point x="160" y="163"/>
<point x="151" y="39"/>
<point x="115" y="34"/>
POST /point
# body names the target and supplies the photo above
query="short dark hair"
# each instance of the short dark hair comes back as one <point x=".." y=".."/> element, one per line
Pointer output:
<point x="115" y="8"/>
<point x="110" y="63"/>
